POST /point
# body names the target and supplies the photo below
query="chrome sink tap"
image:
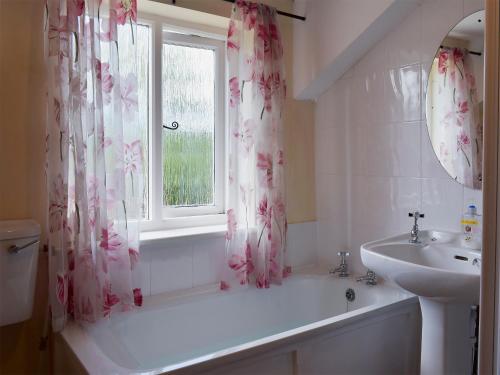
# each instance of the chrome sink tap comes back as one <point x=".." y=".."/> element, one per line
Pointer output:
<point x="370" y="278"/>
<point x="342" y="268"/>
<point x="414" y="231"/>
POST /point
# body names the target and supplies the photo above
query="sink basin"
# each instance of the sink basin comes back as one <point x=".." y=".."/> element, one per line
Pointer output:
<point x="441" y="267"/>
<point x="444" y="273"/>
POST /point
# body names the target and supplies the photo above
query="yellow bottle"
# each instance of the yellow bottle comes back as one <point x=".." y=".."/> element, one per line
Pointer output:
<point x="471" y="228"/>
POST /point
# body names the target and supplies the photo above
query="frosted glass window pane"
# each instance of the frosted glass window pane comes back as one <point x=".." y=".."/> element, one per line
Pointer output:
<point x="141" y="58"/>
<point x="188" y="98"/>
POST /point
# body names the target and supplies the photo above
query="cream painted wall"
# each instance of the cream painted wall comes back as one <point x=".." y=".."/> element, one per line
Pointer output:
<point x="22" y="143"/>
<point x="22" y="111"/>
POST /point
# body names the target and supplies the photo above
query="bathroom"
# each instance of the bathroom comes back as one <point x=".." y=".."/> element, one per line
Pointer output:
<point x="350" y="159"/>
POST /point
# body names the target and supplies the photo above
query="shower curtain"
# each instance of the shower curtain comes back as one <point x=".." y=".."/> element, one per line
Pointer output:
<point x="454" y="116"/>
<point x="256" y="215"/>
<point x="94" y="159"/>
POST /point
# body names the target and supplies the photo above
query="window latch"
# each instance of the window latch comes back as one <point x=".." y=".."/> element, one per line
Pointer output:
<point x="173" y="126"/>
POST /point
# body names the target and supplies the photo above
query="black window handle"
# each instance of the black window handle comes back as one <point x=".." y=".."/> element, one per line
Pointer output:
<point x="173" y="126"/>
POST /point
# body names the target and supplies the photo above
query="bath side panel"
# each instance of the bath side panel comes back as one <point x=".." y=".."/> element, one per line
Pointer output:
<point x="379" y="345"/>
<point x="383" y="343"/>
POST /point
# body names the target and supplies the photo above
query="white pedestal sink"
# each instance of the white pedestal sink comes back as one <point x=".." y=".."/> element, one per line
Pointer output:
<point x="444" y="273"/>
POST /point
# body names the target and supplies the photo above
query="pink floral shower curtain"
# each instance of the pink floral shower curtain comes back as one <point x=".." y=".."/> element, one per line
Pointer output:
<point x="94" y="159"/>
<point x="455" y="121"/>
<point x="256" y="233"/>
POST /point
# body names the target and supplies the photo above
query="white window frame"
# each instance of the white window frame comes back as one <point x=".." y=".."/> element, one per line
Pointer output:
<point x="166" y="218"/>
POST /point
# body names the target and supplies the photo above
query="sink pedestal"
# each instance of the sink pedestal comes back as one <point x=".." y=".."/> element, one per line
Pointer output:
<point x="445" y="273"/>
<point x="446" y="344"/>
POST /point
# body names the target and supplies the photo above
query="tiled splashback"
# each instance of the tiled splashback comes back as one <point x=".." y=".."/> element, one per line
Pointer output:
<point x="191" y="262"/>
<point x="374" y="161"/>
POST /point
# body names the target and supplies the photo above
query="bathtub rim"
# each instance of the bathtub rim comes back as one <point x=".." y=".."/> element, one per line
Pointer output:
<point x="94" y="360"/>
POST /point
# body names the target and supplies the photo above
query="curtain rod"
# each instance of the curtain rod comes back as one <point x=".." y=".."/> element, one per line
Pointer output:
<point x="286" y="14"/>
<point x="471" y="52"/>
<point x="281" y="13"/>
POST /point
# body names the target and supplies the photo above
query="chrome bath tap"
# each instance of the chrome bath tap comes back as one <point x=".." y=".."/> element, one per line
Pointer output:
<point x="414" y="231"/>
<point x="370" y="278"/>
<point x="342" y="268"/>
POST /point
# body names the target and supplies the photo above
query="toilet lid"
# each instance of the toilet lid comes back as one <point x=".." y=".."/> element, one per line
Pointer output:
<point x="12" y="229"/>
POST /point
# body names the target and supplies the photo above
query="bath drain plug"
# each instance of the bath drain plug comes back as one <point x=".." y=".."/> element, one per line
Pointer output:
<point x="350" y="295"/>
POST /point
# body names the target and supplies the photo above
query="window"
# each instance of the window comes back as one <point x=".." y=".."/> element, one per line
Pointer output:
<point x="184" y="75"/>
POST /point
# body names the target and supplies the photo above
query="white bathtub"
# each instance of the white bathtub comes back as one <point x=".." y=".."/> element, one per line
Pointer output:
<point x="305" y="326"/>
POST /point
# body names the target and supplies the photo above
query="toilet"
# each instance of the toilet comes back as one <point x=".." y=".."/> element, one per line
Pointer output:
<point x="19" y="245"/>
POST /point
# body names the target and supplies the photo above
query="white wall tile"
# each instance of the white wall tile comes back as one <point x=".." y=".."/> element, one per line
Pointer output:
<point x="332" y="108"/>
<point x="381" y="204"/>
<point x="348" y="74"/>
<point x="440" y="204"/>
<point x="172" y="268"/>
<point x="330" y="197"/>
<point x="186" y="263"/>
<point x="301" y="244"/>
<point x="408" y="198"/>
<point x="331" y="229"/>
<point x="145" y="271"/>
<point x="380" y="209"/>
<point x="474" y="197"/>
<point x="472" y="6"/>
<point x="208" y="260"/>
<point x="330" y="148"/>
<point x="324" y="115"/>
<point x="438" y="17"/>
<point x="392" y="150"/>
<point x="357" y="152"/>
<point x="402" y="92"/>
<point x="366" y="99"/>
<point x="431" y="167"/>
<point x="331" y="238"/>
<point x="375" y="210"/>
<point x="376" y="59"/>
<point x="425" y="69"/>
<point x="404" y="46"/>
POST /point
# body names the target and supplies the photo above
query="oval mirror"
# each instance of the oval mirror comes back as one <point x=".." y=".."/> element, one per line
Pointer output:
<point x="454" y="101"/>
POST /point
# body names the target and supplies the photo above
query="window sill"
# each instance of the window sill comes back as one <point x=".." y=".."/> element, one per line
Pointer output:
<point x="160" y="236"/>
